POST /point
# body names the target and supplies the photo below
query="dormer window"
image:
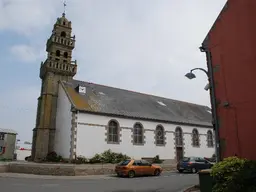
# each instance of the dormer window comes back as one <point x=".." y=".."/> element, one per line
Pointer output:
<point x="64" y="23"/>
<point x="81" y="89"/>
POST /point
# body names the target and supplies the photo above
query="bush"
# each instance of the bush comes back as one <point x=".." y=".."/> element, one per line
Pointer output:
<point x="96" y="159"/>
<point x="245" y="179"/>
<point x="156" y="159"/>
<point x="108" y="157"/>
<point x="234" y="174"/>
<point x="53" y="157"/>
<point x="80" y="160"/>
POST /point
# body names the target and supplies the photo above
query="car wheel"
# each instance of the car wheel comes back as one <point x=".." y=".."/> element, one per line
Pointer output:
<point x="194" y="170"/>
<point x="181" y="171"/>
<point x="157" y="172"/>
<point x="131" y="174"/>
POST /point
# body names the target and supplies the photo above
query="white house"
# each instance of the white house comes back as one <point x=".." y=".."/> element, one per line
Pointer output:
<point x="92" y="118"/>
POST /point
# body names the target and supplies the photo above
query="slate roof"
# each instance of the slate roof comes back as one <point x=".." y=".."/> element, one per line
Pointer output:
<point x="112" y="101"/>
<point x="8" y="131"/>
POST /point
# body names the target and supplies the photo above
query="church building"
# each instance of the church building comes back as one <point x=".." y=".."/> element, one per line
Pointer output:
<point x="78" y="118"/>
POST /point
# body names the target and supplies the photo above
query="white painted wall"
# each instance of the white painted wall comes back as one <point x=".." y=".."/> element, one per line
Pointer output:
<point x="21" y="154"/>
<point x="63" y="125"/>
<point x="91" y="139"/>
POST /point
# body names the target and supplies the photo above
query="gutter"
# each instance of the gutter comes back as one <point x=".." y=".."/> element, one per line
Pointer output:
<point x="74" y="109"/>
<point x="215" y="122"/>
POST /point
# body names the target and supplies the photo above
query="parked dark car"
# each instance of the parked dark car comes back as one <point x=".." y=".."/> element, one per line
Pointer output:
<point x="193" y="164"/>
<point x="211" y="159"/>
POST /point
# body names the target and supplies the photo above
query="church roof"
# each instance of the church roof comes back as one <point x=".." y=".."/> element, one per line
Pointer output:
<point x="112" y="101"/>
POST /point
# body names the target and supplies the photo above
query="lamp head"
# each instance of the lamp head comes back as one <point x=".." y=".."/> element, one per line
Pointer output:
<point x="190" y="75"/>
<point x="202" y="49"/>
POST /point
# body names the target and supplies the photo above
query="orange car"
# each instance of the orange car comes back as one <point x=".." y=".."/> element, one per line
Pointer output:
<point x="132" y="168"/>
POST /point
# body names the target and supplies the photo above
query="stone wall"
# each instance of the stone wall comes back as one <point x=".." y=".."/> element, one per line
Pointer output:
<point x="66" y="169"/>
<point x="3" y="168"/>
<point x="42" y="169"/>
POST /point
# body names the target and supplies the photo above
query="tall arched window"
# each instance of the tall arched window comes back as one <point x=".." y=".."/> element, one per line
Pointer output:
<point x="58" y="53"/>
<point x="138" y="134"/>
<point x="209" y="139"/>
<point x="195" y="138"/>
<point x="159" y="135"/>
<point x="63" y="34"/>
<point x="113" y="132"/>
<point x="66" y="54"/>
<point x="178" y="137"/>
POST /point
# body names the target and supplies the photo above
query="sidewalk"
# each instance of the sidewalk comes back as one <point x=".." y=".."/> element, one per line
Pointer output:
<point x="192" y="189"/>
<point x="51" y="177"/>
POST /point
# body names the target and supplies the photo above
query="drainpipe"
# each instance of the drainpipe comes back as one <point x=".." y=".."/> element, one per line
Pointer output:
<point x="215" y="122"/>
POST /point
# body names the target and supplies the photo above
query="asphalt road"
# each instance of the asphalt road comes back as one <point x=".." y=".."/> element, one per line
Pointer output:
<point x="167" y="182"/>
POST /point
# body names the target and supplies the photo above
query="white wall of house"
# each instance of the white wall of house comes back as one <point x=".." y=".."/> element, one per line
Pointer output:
<point x="22" y="154"/>
<point x="63" y="125"/>
<point x="91" y="135"/>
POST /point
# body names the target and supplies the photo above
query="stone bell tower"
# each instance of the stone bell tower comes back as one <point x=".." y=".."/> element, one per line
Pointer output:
<point x="58" y="66"/>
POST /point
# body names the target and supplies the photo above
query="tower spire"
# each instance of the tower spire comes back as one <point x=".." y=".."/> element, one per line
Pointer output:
<point x="58" y="66"/>
<point x="64" y="12"/>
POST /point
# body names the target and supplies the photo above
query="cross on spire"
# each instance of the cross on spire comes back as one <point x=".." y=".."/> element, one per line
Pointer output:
<point x="64" y="4"/>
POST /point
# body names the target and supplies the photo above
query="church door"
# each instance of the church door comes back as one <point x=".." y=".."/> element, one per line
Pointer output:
<point x="179" y="151"/>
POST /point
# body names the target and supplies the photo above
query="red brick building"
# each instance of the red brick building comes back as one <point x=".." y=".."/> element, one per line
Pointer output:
<point x="231" y="43"/>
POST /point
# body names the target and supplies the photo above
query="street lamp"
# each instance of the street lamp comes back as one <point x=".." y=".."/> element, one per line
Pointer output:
<point x="191" y="75"/>
<point x="210" y="86"/>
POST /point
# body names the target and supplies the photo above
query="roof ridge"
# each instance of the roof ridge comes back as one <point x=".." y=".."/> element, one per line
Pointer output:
<point x="161" y="97"/>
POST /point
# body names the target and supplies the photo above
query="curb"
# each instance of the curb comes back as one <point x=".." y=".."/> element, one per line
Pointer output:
<point x="188" y="189"/>
<point x="51" y="177"/>
<point x="56" y="177"/>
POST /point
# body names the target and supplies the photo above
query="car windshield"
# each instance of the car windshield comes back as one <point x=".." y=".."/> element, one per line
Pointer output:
<point x="186" y="159"/>
<point x="125" y="162"/>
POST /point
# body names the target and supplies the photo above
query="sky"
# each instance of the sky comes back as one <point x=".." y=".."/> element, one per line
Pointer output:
<point x="141" y="45"/>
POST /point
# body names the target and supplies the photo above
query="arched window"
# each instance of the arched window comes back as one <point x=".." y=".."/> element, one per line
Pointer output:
<point x="195" y="138"/>
<point x="58" y="53"/>
<point x="209" y="139"/>
<point x="159" y="135"/>
<point x="138" y="134"/>
<point x="113" y="132"/>
<point x="63" y="34"/>
<point x="178" y="137"/>
<point x="66" y="54"/>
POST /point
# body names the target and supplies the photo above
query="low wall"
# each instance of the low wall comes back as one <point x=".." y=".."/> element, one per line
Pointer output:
<point x="3" y="168"/>
<point x="41" y="169"/>
<point x="66" y="169"/>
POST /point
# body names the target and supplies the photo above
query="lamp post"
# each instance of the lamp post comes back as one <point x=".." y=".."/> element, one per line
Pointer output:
<point x="215" y="123"/>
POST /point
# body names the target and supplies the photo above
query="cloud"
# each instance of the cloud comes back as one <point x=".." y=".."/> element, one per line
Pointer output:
<point x="18" y="106"/>
<point x="27" y="53"/>
<point x="145" y="46"/>
<point x="26" y="16"/>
